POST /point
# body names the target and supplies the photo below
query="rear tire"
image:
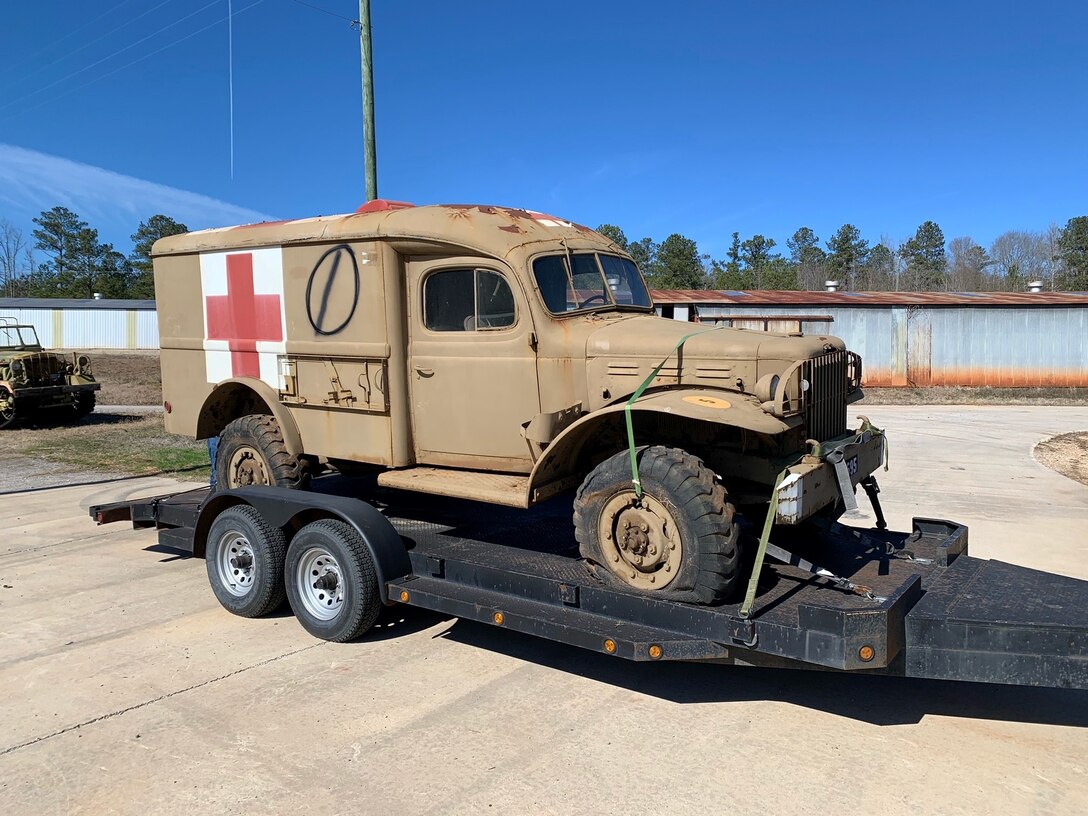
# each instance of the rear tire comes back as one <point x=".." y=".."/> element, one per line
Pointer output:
<point x="8" y="416"/>
<point x="679" y="542"/>
<point x="244" y="559"/>
<point x="252" y="452"/>
<point x="332" y="583"/>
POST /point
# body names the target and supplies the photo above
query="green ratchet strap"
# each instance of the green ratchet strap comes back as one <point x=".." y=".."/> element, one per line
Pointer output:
<point x="638" y="393"/>
<point x="761" y="552"/>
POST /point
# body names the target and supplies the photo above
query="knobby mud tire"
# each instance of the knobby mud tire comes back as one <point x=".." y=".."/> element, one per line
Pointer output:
<point x="261" y="433"/>
<point x="699" y="504"/>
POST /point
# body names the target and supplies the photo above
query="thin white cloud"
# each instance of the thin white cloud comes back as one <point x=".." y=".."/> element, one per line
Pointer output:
<point x="112" y="202"/>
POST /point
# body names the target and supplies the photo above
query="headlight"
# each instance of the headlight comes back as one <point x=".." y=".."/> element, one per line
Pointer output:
<point x="804" y="385"/>
<point x="766" y="387"/>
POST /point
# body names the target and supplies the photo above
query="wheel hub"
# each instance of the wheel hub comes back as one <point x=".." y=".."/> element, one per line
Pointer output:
<point x="640" y="540"/>
<point x="319" y="582"/>
<point x="246" y="467"/>
<point x="234" y="562"/>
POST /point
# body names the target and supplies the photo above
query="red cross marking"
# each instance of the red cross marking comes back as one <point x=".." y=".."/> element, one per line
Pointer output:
<point x="242" y="317"/>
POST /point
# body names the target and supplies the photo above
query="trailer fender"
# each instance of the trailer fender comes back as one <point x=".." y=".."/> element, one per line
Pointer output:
<point x="560" y="461"/>
<point x="291" y="509"/>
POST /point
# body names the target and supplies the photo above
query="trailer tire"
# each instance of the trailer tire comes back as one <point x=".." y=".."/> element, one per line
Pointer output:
<point x="252" y="452"/>
<point x="689" y="551"/>
<point x="244" y="559"/>
<point x="332" y="582"/>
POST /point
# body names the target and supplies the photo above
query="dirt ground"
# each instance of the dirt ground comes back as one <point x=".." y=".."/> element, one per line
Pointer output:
<point x="1066" y="453"/>
<point x="100" y="445"/>
<point x="128" y="378"/>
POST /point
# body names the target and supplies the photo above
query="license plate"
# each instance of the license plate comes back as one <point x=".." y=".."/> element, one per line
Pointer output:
<point x="852" y="466"/>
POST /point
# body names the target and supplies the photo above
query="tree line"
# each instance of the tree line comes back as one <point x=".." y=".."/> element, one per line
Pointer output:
<point x="1058" y="257"/>
<point x="64" y="257"/>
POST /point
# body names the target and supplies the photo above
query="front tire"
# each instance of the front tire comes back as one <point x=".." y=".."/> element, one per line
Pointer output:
<point x="85" y="404"/>
<point x="252" y="452"/>
<point x="679" y="541"/>
<point x="332" y="583"/>
<point x="244" y="559"/>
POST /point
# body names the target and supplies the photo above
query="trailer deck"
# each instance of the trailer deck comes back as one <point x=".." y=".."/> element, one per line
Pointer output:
<point x="932" y="611"/>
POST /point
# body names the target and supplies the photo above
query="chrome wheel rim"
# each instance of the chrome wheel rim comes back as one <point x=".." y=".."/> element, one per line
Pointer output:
<point x="319" y="581"/>
<point x="234" y="563"/>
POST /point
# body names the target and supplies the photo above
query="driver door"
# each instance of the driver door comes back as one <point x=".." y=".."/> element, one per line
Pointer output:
<point x="472" y="365"/>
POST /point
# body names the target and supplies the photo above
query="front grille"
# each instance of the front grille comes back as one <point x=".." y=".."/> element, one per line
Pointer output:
<point x="824" y="404"/>
<point x="43" y="369"/>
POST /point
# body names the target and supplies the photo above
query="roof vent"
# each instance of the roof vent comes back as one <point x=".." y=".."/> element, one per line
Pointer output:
<point x="383" y="205"/>
<point x="1035" y="286"/>
<point x="831" y="286"/>
<point x="98" y="296"/>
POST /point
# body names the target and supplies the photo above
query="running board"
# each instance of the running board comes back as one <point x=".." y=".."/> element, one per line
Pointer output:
<point x="494" y="488"/>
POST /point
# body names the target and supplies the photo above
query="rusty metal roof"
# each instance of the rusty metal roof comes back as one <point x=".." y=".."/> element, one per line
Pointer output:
<point x="771" y="297"/>
<point x="494" y="230"/>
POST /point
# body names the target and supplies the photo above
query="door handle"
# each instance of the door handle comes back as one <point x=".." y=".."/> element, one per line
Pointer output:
<point x="424" y="372"/>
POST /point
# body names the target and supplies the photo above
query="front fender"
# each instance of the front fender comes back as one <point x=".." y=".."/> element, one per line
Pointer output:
<point x="557" y="467"/>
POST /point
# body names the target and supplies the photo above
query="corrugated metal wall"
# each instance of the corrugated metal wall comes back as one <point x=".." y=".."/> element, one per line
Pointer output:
<point x="91" y="328"/>
<point x="919" y="345"/>
<point x="901" y="345"/>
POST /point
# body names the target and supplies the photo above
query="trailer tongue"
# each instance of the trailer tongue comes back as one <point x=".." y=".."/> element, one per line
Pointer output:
<point x="930" y="609"/>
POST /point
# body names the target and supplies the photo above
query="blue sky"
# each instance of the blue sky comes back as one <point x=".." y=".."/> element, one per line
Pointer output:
<point x="693" y="117"/>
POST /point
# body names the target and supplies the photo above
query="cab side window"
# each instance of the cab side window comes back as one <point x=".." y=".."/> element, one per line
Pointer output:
<point x="467" y="300"/>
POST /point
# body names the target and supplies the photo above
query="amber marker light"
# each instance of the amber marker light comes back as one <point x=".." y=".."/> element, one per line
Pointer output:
<point x="655" y="652"/>
<point x="610" y="646"/>
<point x="404" y="596"/>
<point x="866" y="653"/>
<point x="498" y="617"/>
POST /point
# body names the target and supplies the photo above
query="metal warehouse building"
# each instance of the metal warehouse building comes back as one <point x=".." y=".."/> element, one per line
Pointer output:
<point x="1007" y="339"/>
<point x="87" y="324"/>
<point x="905" y="338"/>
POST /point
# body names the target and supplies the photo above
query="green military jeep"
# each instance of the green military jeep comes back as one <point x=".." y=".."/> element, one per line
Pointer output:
<point x="33" y="380"/>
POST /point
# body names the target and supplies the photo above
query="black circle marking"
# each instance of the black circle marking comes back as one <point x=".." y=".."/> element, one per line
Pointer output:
<point x="317" y="322"/>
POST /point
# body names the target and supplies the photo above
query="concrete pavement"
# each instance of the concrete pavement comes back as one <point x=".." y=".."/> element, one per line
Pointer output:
<point x="128" y="690"/>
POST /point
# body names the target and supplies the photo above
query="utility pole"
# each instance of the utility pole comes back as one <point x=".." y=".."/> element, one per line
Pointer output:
<point x="367" y="59"/>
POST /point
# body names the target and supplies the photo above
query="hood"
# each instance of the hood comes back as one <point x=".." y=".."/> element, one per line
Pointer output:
<point x="646" y="336"/>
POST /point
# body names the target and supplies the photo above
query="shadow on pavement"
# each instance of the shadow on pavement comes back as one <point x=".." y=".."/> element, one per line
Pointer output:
<point x="879" y="700"/>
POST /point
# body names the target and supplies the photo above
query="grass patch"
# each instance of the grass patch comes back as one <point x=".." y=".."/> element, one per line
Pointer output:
<point x="1066" y="453"/>
<point x="112" y="443"/>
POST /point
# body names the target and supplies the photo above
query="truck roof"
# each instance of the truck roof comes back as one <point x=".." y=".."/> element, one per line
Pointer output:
<point x="490" y="229"/>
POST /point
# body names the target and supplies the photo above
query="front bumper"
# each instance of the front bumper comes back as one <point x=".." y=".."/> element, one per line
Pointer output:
<point x="811" y="484"/>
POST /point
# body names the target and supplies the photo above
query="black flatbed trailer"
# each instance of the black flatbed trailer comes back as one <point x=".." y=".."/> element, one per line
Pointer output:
<point x="932" y="610"/>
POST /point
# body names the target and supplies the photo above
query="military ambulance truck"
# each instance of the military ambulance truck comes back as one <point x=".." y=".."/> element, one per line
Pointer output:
<point x="504" y="356"/>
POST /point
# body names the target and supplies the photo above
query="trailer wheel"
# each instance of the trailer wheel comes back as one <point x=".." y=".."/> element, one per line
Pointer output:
<point x="332" y="583"/>
<point x="252" y="452"/>
<point x="244" y="559"/>
<point x="679" y="541"/>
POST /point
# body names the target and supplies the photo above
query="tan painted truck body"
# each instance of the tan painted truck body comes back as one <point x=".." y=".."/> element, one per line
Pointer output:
<point x="349" y="331"/>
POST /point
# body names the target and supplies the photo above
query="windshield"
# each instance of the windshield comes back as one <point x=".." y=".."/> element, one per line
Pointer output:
<point x="588" y="281"/>
<point x="17" y="336"/>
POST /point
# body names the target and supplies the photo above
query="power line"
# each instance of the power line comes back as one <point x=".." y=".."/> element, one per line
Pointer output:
<point x="89" y="43"/>
<point x="140" y="59"/>
<point x="72" y="33"/>
<point x="111" y="56"/>
<point x="326" y="11"/>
